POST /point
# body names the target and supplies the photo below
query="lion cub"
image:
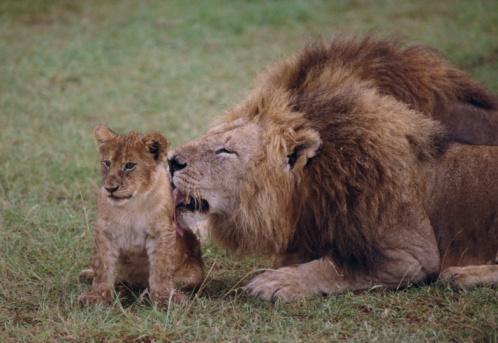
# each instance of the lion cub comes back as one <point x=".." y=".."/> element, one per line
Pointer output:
<point x="136" y="241"/>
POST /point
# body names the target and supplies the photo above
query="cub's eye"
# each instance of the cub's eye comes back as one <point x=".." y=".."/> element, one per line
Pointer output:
<point x="224" y="151"/>
<point x="106" y="164"/>
<point x="129" y="166"/>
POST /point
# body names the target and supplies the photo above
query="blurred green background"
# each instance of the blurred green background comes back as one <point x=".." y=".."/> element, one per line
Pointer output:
<point x="173" y="66"/>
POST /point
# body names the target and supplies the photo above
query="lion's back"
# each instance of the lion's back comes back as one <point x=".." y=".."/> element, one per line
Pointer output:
<point x="462" y="203"/>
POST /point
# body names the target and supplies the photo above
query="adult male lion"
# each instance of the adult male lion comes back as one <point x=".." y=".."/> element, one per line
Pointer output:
<point x="337" y="165"/>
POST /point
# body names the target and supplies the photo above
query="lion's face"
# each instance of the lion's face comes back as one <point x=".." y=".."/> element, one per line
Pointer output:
<point x="208" y="173"/>
<point x="243" y="174"/>
<point x="129" y="163"/>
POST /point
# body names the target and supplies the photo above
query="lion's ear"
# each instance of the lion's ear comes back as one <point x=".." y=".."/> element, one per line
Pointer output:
<point x="304" y="148"/>
<point x="102" y="134"/>
<point x="156" y="144"/>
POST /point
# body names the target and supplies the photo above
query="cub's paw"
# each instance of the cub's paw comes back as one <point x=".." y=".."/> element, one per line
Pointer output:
<point x="163" y="298"/>
<point x="95" y="298"/>
<point x="282" y="284"/>
<point x="86" y="275"/>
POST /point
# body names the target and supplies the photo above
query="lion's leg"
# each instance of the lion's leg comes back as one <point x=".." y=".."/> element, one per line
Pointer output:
<point x="160" y="251"/>
<point x="289" y="259"/>
<point x="190" y="275"/>
<point x="105" y="262"/>
<point x="412" y="259"/>
<point x="320" y="276"/>
<point x="190" y="269"/>
<point x="86" y="275"/>
<point x="471" y="276"/>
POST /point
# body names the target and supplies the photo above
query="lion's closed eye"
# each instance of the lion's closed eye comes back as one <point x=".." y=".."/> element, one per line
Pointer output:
<point x="224" y="150"/>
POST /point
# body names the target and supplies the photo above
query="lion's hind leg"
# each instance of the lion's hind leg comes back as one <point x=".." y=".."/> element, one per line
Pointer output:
<point x="471" y="276"/>
<point x="86" y="275"/>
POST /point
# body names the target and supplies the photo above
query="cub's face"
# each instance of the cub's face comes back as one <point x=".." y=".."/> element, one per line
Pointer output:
<point x="128" y="163"/>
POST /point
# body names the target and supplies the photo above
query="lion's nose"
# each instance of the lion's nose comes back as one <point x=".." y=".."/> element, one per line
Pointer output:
<point x="111" y="189"/>
<point x="176" y="162"/>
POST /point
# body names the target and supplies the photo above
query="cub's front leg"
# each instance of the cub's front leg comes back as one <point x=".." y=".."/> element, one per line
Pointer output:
<point x="161" y="251"/>
<point x="105" y="258"/>
<point x="190" y="267"/>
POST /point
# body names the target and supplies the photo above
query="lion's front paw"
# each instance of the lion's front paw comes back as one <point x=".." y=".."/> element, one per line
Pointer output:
<point x="163" y="298"/>
<point x="282" y="284"/>
<point x="95" y="297"/>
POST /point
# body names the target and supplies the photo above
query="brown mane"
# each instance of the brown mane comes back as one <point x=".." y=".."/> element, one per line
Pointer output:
<point x="416" y="75"/>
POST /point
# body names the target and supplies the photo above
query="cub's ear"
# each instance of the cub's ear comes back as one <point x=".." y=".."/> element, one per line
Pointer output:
<point x="103" y="134"/>
<point x="157" y="145"/>
<point x="304" y="147"/>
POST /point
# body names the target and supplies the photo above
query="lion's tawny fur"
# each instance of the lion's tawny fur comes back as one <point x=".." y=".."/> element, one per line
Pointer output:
<point x="330" y="157"/>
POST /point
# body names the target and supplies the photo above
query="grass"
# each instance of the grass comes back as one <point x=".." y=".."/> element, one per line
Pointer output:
<point x="173" y="66"/>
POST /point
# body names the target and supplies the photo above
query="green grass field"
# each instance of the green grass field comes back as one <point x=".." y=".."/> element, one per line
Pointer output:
<point x="173" y="66"/>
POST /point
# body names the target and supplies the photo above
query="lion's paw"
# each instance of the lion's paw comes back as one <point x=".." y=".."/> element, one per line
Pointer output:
<point x="278" y="285"/>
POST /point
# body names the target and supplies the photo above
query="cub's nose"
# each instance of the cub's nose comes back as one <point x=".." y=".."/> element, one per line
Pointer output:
<point x="111" y="189"/>
<point x="176" y="162"/>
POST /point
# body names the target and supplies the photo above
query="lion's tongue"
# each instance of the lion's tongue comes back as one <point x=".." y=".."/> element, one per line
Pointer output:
<point x="178" y="198"/>
<point x="179" y="229"/>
